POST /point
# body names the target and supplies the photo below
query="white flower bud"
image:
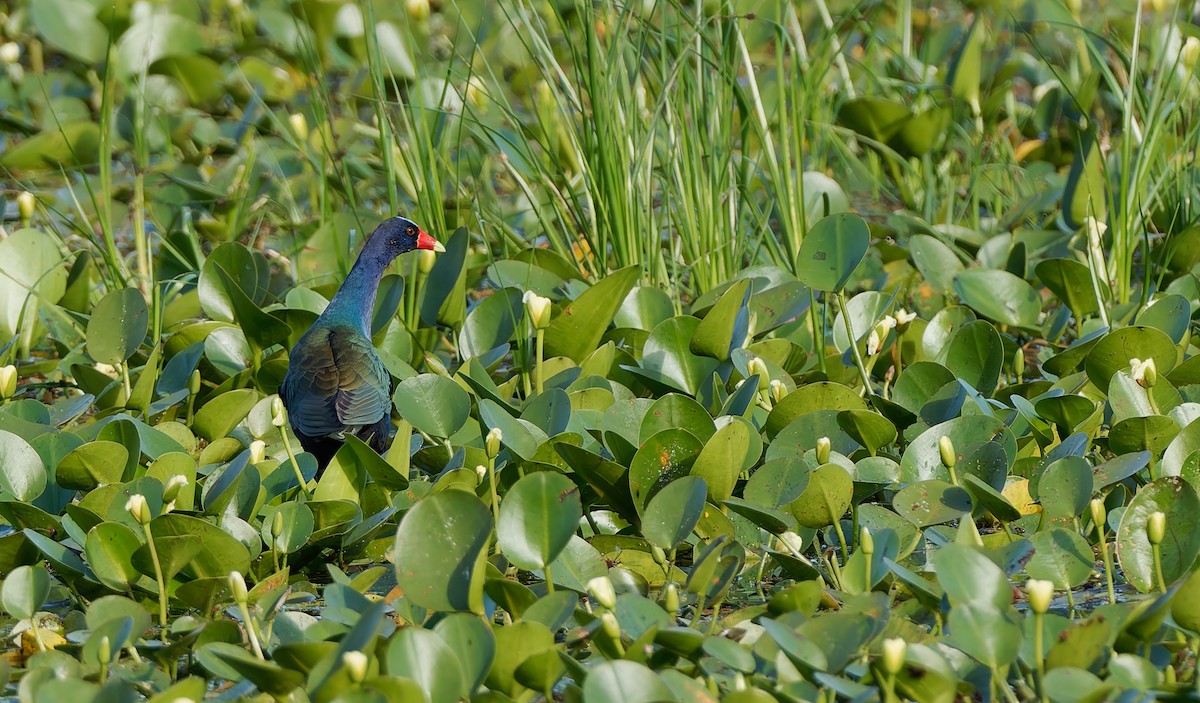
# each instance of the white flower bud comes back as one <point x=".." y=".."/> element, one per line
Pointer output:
<point x="778" y="391"/>
<point x="1039" y="593"/>
<point x="601" y="589"/>
<point x="418" y="10"/>
<point x="237" y="585"/>
<point x="824" y="447"/>
<point x="278" y="412"/>
<point x="10" y="53"/>
<point x="492" y="442"/>
<point x="356" y="664"/>
<point x="1156" y="528"/>
<point x="1189" y="55"/>
<point x="611" y="627"/>
<point x="873" y="343"/>
<point x="894" y="651"/>
<point x="946" y="448"/>
<point x="793" y="541"/>
<point x="173" y="486"/>
<point x="258" y="451"/>
<point x="903" y="317"/>
<point x="26" y="202"/>
<point x="538" y="309"/>
<point x="299" y="124"/>
<point x="8" y="381"/>
<point x="757" y="367"/>
<point x="138" y="508"/>
<point x="1144" y="373"/>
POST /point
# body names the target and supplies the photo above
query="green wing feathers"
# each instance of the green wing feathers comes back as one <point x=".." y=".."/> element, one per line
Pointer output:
<point x="335" y="383"/>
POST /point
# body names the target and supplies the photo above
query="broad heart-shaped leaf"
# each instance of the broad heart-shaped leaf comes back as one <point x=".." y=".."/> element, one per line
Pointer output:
<point x="1071" y="282"/>
<point x="660" y="460"/>
<point x="262" y="329"/>
<point x="67" y="145"/>
<point x="441" y="546"/>
<point x="1064" y="487"/>
<point x="576" y="331"/>
<point x="922" y="459"/>
<point x="931" y="502"/>
<point x="117" y="326"/>
<point x="668" y="359"/>
<point x="985" y="496"/>
<point x="537" y="518"/>
<point x="296" y="520"/>
<point x="156" y="35"/>
<point x="831" y="251"/>
<point x="936" y="261"/>
<point x="644" y="308"/>
<point x="1170" y="313"/>
<point x="968" y="576"/>
<point x="363" y="457"/>
<point x="869" y="429"/>
<point x="218" y="417"/>
<point x="673" y="512"/>
<point x="1175" y="458"/>
<point x="32" y="274"/>
<point x="991" y="635"/>
<point x="721" y="460"/>
<point x="97" y="463"/>
<point x="873" y="116"/>
<point x="22" y="473"/>
<point x="109" y="550"/>
<point x="724" y="327"/>
<point x="174" y="553"/>
<point x="472" y="641"/>
<point x="491" y="323"/>
<point x="622" y="681"/>
<point x="608" y="478"/>
<point x="1114" y="350"/>
<point x="864" y="310"/>
<point x="247" y="269"/>
<point x="975" y="355"/>
<point x="1062" y="557"/>
<point x="1000" y="296"/>
<point x="777" y="483"/>
<point x="677" y="411"/>
<point x="25" y="590"/>
<point x="269" y="677"/>
<point x="220" y="551"/>
<point x="433" y="404"/>
<point x="1177" y="499"/>
<point x="515" y="644"/>
<point x="71" y="27"/>
<point x="826" y="498"/>
<point x="423" y="656"/>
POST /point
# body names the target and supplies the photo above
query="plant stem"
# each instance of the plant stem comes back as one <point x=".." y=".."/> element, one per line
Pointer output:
<point x="858" y="360"/>
<point x="492" y="487"/>
<point x="287" y="446"/>
<point x="245" y="610"/>
<point x="537" y="369"/>
<point x="1038" y="655"/>
<point x="162" y="583"/>
<point x="1158" y="572"/>
<point x="1106" y="556"/>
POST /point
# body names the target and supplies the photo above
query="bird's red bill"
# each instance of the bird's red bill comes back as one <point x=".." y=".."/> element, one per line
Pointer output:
<point x="424" y="241"/>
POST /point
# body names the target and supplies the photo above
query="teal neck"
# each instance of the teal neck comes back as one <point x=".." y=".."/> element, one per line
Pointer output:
<point x="354" y="302"/>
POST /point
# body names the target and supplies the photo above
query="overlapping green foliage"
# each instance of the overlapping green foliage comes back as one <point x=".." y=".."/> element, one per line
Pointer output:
<point x="850" y="363"/>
